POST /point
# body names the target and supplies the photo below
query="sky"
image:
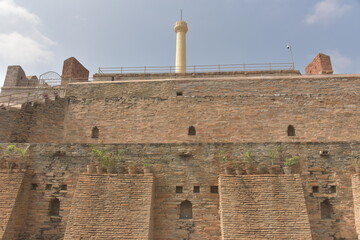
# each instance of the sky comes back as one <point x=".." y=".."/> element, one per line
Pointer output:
<point x="40" y="34"/>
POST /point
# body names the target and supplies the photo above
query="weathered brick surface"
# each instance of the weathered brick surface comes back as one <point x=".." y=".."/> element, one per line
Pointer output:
<point x="13" y="204"/>
<point x="321" y="64"/>
<point x="111" y="207"/>
<point x="263" y="207"/>
<point x="356" y="193"/>
<point x="226" y="110"/>
<point x="7" y="123"/>
<point x="34" y="122"/>
<point x="73" y="71"/>
<point x="189" y="165"/>
<point x="15" y="76"/>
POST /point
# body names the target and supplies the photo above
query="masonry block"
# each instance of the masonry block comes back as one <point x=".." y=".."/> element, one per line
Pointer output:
<point x="73" y="71"/>
<point x="321" y="64"/>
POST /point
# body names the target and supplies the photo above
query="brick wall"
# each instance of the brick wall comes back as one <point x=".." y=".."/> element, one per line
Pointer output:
<point x="34" y="122"/>
<point x="321" y="64"/>
<point x="263" y="207"/>
<point x="73" y="71"/>
<point x="111" y="207"/>
<point x="13" y="204"/>
<point x="356" y="194"/>
<point x="237" y="110"/>
<point x="188" y="165"/>
<point x="7" y="123"/>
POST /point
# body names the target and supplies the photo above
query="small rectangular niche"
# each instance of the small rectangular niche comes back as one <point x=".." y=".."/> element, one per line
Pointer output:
<point x="34" y="186"/>
<point x="48" y="186"/>
<point x="196" y="189"/>
<point x="63" y="187"/>
<point x="214" y="189"/>
<point x="179" y="94"/>
<point x="332" y="189"/>
<point x="179" y="189"/>
<point x="315" y="189"/>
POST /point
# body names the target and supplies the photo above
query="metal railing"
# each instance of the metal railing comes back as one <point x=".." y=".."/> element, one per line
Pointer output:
<point x="34" y="95"/>
<point x="199" y="68"/>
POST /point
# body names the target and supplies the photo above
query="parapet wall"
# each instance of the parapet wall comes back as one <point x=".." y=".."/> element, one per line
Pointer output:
<point x="220" y="110"/>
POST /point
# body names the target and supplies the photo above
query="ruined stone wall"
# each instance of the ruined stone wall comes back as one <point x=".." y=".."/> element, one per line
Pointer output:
<point x="7" y="123"/>
<point x="236" y="110"/>
<point x="48" y="122"/>
<point x="13" y="204"/>
<point x="263" y="207"/>
<point x="111" y="207"/>
<point x="34" y="122"/>
<point x="190" y="165"/>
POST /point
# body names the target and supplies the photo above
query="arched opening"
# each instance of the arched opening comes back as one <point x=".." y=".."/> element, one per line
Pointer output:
<point x="291" y="131"/>
<point x="192" y="131"/>
<point x="186" y="210"/>
<point x="326" y="209"/>
<point x="95" y="132"/>
<point x="54" y="208"/>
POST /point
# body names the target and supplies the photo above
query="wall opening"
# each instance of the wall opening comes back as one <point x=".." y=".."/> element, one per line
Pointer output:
<point x="326" y="209"/>
<point x="291" y="131"/>
<point x="179" y="189"/>
<point x="54" y="208"/>
<point x="196" y="189"/>
<point x="34" y="186"/>
<point x="186" y="210"/>
<point x="214" y="189"/>
<point x="332" y="189"/>
<point x="315" y="189"/>
<point x="63" y="187"/>
<point x="48" y="187"/>
<point x="192" y="131"/>
<point x="179" y="93"/>
<point x="95" y="132"/>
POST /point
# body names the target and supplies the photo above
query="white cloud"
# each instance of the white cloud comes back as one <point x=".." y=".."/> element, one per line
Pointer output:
<point x="21" y="41"/>
<point x="23" y="49"/>
<point x="14" y="13"/>
<point x="340" y="62"/>
<point x="326" y="10"/>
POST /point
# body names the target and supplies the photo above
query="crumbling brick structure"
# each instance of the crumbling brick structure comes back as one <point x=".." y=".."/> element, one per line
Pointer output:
<point x="73" y="71"/>
<point x="321" y="64"/>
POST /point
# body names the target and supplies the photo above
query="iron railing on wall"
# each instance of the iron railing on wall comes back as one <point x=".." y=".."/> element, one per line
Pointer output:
<point x="199" y="68"/>
<point x="36" y="95"/>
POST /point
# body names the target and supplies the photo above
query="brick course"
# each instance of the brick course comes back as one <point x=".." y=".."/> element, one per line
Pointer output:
<point x="111" y="207"/>
<point x="263" y="207"/>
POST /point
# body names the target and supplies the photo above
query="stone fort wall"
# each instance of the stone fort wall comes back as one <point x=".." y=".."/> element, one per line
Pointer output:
<point x="326" y="181"/>
<point x="256" y="109"/>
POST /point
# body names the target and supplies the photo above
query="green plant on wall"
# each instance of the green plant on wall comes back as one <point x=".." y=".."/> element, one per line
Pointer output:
<point x="15" y="151"/>
<point x="107" y="159"/>
<point x="291" y="161"/>
<point x="249" y="158"/>
<point x="276" y="154"/>
<point x="225" y="159"/>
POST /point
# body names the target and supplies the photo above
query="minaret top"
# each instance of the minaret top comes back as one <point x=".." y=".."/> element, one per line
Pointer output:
<point x="181" y="26"/>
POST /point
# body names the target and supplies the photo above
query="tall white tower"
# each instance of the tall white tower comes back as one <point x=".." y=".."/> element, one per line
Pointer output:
<point x="181" y="29"/>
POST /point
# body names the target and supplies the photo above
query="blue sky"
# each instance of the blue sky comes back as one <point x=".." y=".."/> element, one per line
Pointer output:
<point x="40" y="34"/>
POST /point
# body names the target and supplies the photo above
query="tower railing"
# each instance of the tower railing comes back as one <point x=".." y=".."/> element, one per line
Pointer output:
<point x="198" y="68"/>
